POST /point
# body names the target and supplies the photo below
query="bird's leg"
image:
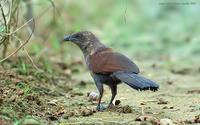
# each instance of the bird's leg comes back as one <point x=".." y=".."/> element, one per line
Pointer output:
<point x="100" y="88"/>
<point x="114" y="93"/>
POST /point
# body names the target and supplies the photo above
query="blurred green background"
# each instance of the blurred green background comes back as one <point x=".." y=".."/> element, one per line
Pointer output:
<point x="141" y="29"/>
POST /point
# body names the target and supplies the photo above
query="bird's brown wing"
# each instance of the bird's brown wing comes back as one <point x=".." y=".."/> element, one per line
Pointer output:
<point x="107" y="61"/>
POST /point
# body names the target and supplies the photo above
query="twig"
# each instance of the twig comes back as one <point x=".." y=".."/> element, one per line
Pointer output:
<point x="54" y="9"/>
<point x="6" y="30"/>
<point x="21" y="46"/>
<point x="25" y="24"/>
<point x="27" y="53"/>
<point x="125" y="11"/>
<point x="31" y="60"/>
<point x="19" y="28"/>
<point x="13" y="32"/>
<point x="4" y="17"/>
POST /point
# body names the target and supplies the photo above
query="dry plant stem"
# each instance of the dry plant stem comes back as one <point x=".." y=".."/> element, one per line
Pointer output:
<point x="125" y="11"/>
<point x="6" y="30"/>
<point x="24" y="24"/>
<point x="27" y="53"/>
<point x="18" y="28"/>
<point x="5" y="46"/>
<point x="21" y="46"/>
<point x="4" y="17"/>
<point x="31" y="59"/>
<point x="12" y="34"/>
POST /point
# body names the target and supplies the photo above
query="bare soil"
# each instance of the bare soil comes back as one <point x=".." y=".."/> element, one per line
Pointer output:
<point x="61" y="97"/>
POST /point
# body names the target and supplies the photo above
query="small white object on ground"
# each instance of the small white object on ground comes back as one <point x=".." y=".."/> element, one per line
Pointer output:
<point x="166" y="121"/>
<point x="93" y="96"/>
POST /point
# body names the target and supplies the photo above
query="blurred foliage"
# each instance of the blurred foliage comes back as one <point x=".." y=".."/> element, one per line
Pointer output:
<point x="141" y="29"/>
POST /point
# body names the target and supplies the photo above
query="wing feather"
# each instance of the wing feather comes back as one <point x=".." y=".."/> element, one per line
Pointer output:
<point x="107" y="61"/>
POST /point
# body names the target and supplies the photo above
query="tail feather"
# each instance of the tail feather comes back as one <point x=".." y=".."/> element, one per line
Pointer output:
<point x="136" y="81"/>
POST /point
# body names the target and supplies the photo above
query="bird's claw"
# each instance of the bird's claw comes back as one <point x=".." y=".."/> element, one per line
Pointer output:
<point x="100" y="107"/>
<point x="110" y="106"/>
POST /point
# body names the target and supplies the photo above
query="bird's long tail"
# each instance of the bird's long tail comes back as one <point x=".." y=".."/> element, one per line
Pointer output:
<point x="136" y="81"/>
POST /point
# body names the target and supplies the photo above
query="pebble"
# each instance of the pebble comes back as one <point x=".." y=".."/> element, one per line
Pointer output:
<point x="117" y="102"/>
<point x="166" y="121"/>
<point x="93" y="96"/>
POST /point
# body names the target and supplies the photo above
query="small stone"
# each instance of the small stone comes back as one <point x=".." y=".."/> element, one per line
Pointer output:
<point x="142" y="103"/>
<point x="127" y="109"/>
<point x="94" y="110"/>
<point x="166" y="121"/>
<point x="86" y="112"/>
<point x="117" y="102"/>
<point x="162" y="101"/>
<point x="146" y="118"/>
<point x="20" y="92"/>
<point x="68" y="72"/>
<point x="93" y="96"/>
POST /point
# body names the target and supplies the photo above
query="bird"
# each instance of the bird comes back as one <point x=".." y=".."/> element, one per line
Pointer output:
<point x="108" y="67"/>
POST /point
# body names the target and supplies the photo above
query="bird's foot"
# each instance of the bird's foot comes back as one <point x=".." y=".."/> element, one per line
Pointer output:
<point x="100" y="107"/>
<point x="110" y="106"/>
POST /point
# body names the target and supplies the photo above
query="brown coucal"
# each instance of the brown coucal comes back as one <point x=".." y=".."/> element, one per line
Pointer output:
<point x="108" y="67"/>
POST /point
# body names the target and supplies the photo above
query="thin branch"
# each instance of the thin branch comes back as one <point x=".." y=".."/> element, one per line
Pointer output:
<point x="125" y="11"/>
<point x="5" y="23"/>
<point x="4" y="17"/>
<point x="25" y="23"/>
<point x="21" y="46"/>
<point x="19" y="27"/>
<point x="27" y="52"/>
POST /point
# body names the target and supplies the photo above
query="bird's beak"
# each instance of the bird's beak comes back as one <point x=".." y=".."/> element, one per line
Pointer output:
<point x="67" y="38"/>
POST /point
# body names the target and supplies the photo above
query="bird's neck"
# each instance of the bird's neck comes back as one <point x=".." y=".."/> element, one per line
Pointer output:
<point x="92" y="47"/>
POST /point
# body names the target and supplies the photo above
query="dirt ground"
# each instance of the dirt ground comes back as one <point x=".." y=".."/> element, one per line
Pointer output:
<point x="61" y="97"/>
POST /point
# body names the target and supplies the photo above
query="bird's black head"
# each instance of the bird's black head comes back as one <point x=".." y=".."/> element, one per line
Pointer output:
<point x="82" y="39"/>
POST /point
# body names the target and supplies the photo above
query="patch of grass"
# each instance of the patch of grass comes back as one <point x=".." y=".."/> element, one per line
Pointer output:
<point x="28" y="120"/>
<point x="26" y="88"/>
<point x="8" y="82"/>
<point x="47" y="65"/>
